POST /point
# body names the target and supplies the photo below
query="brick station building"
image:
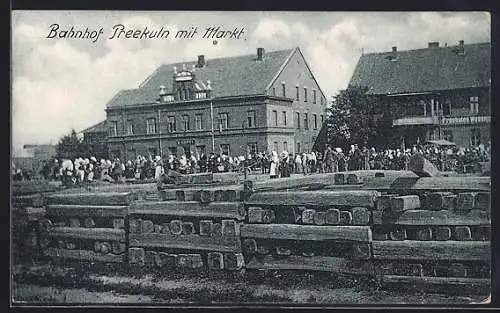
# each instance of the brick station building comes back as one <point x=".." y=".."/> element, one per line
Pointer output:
<point x="235" y="105"/>
<point x="431" y="93"/>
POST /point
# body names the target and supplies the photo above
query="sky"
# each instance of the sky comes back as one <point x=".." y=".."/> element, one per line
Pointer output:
<point x="60" y="84"/>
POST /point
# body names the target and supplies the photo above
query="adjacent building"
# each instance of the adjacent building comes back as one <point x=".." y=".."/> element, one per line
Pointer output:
<point x="432" y="93"/>
<point x="96" y="137"/>
<point x="33" y="157"/>
<point x="238" y="105"/>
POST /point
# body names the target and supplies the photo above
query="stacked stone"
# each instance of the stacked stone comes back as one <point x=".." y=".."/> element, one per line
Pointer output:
<point x="86" y="226"/>
<point x="194" y="228"/>
<point x="433" y="238"/>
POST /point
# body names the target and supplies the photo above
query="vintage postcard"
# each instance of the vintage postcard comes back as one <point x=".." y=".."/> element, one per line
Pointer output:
<point x="250" y="158"/>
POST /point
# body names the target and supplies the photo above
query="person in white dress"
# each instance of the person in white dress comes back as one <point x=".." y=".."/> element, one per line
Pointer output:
<point x="273" y="172"/>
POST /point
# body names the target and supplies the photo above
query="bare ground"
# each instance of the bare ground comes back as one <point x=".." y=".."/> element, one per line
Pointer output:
<point x="47" y="284"/>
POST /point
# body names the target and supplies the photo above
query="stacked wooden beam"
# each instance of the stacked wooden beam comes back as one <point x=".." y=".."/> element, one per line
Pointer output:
<point x="321" y="230"/>
<point x="27" y="210"/>
<point x="191" y="228"/>
<point x="433" y="238"/>
<point x="86" y="226"/>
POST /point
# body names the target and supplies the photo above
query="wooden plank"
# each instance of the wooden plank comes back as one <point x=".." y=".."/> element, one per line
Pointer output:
<point x="320" y="218"/>
<point x="360" y="216"/>
<point x="422" y="167"/>
<point x="83" y="255"/>
<point x="332" y="216"/>
<point x="255" y="214"/>
<point x="404" y="203"/>
<point x="462" y="233"/>
<point x="354" y="179"/>
<point x="215" y="260"/>
<point x="313" y="263"/>
<point x="89" y="222"/>
<point x="460" y="183"/>
<point x="465" y="201"/>
<point x="87" y="210"/>
<point x="175" y="227"/>
<point x="206" y="227"/>
<point x="88" y="233"/>
<point x="441" y="233"/>
<point x="204" y="196"/>
<point x="482" y="201"/>
<point x="189" y="260"/>
<point x="442" y="218"/>
<point x="187" y="228"/>
<point x="363" y="198"/>
<point x="147" y="226"/>
<point x="168" y="194"/>
<point x="431" y="250"/>
<point x="268" y="216"/>
<point x="308" y="216"/>
<point x="345" y="218"/>
<point x="119" y="223"/>
<point x="249" y="246"/>
<point x="234" y="210"/>
<point x="166" y="260"/>
<point x="438" y="284"/>
<point x="189" y="242"/>
<point x="307" y="232"/>
<point x="34" y="200"/>
<point x="91" y="198"/>
<point x="226" y="178"/>
<point x="233" y="261"/>
<point x="434" y="201"/>
<point x="339" y="179"/>
<point x="230" y="228"/>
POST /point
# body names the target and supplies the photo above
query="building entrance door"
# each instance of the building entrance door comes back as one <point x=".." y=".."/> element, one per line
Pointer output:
<point x="187" y="150"/>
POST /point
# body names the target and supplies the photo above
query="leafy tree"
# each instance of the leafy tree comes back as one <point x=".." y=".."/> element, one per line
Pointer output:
<point x="351" y="120"/>
<point x="72" y="147"/>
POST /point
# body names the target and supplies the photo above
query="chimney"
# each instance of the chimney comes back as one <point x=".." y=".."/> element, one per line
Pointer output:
<point x="201" y="61"/>
<point x="260" y="54"/>
<point x="434" y="44"/>
<point x="394" y="49"/>
<point x="461" y="43"/>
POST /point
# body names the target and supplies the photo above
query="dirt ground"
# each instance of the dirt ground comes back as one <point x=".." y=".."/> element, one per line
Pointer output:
<point x="48" y="284"/>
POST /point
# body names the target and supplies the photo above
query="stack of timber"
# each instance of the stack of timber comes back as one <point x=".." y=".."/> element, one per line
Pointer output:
<point x="189" y="229"/>
<point x="433" y="240"/>
<point x="86" y="226"/>
<point x="323" y="230"/>
<point x="28" y="187"/>
<point x="200" y="179"/>
<point x="27" y="210"/>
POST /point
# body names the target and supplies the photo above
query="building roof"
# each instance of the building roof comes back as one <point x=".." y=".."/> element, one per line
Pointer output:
<point x="99" y="127"/>
<point x="231" y="76"/>
<point x="421" y="70"/>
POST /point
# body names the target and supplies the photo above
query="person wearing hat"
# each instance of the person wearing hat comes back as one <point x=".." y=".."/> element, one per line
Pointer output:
<point x="273" y="171"/>
<point x="284" y="164"/>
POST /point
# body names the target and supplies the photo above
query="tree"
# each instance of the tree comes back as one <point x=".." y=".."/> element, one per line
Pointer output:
<point x="71" y="147"/>
<point x="351" y="119"/>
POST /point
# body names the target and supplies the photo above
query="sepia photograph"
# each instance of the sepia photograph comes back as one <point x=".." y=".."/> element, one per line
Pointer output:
<point x="250" y="158"/>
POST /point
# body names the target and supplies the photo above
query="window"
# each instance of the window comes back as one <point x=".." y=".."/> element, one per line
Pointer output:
<point x="275" y="118"/>
<point x="185" y="122"/>
<point x="252" y="148"/>
<point x="322" y="101"/>
<point x="172" y="151"/>
<point x="315" y="121"/>
<point x="474" y="105"/>
<point x="201" y="149"/>
<point x="113" y="130"/>
<point x="475" y="137"/>
<point x="283" y="89"/>
<point x="171" y="124"/>
<point x="151" y="126"/>
<point x="448" y="135"/>
<point x="276" y="147"/>
<point x="152" y="152"/>
<point x="284" y="117"/>
<point x="322" y="119"/>
<point x="198" y="120"/>
<point x="314" y="96"/>
<point x="224" y="149"/>
<point x="285" y="146"/>
<point x="251" y="119"/>
<point x="298" y="147"/>
<point x="297" y="119"/>
<point x="274" y="91"/>
<point x="130" y="127"/>
<point x="305" y="94"/>
<point x="306" y="121"/>
<point x="223" y="121"/>
<point x="297" y="93"/>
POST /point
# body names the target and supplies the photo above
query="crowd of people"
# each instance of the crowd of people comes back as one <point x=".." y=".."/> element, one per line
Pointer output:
<point x="85" y="170"/>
